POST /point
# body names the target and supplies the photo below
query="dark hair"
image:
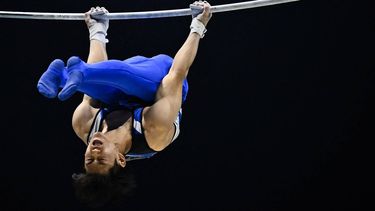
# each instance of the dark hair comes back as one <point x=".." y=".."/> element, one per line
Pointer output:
<point x="98" y="190"/>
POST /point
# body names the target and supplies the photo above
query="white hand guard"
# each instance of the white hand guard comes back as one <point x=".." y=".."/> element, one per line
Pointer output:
<point x="98" y="24"/>
<point x="198" y="27"/>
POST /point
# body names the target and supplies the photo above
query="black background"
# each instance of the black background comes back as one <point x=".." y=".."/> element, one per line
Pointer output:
<point x="279" y="114"/>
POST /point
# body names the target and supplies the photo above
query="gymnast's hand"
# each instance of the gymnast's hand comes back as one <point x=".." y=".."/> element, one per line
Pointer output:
<point x="98" y="23"/>
<point x="201" y="12"/>
<point x="206" y="15"/>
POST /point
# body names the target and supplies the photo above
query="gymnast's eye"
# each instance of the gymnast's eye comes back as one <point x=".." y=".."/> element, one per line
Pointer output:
<point x="89" y="160"/>
<point x="101" y="160"/>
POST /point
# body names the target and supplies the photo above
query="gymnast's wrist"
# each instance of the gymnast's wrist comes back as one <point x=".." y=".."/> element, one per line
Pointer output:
<point x="198" y="27"/>
<point x="99" y="36"/>
<point x="98" y="31"/>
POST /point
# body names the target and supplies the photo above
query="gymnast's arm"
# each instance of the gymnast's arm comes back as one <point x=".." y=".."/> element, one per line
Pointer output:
<point x="97" y="53"/>
<point x="158" y="119"/>
<point x="87" y="109"/>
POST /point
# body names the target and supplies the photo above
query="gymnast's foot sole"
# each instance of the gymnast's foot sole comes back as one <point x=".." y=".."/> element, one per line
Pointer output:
<point x="72" y="61"/>
<point x="75" y="78"/>
<point x="49" y="83"/>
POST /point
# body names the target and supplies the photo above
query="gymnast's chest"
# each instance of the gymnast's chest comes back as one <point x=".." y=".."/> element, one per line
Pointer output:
<point x="116" y="119"/>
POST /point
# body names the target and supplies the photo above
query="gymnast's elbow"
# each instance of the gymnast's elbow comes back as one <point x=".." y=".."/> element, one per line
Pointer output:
<point x="179" y="73"/>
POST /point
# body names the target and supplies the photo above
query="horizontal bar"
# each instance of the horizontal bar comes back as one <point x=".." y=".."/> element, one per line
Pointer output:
<point x="141" y="15"/>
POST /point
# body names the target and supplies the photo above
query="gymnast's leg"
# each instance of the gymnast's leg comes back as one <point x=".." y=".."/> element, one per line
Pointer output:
<point x="108" y="81"/>
<point x="137" y="76"/>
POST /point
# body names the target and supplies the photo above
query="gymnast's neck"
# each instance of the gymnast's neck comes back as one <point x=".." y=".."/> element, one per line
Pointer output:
<point x="117" y="127"/>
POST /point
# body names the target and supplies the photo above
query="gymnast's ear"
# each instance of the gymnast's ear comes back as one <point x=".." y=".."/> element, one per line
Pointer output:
<point x="120" y="159"/>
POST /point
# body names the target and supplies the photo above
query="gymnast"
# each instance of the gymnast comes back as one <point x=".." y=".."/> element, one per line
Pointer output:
<point x="130" y="110"/>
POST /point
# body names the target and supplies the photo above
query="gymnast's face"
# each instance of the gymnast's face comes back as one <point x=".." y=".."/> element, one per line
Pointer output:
<point x="101" y="155"/>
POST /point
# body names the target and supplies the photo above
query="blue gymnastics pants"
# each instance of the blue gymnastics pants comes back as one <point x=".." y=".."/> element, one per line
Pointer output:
<point x="129" y="83"/>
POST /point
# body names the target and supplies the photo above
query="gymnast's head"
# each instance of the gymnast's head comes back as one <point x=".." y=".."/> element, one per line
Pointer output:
<point x="105" y="179"/>
<point x="102" y="155"/>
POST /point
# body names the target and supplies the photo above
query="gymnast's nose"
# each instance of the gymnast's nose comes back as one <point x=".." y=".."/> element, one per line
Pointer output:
<point x="97" y="143"/>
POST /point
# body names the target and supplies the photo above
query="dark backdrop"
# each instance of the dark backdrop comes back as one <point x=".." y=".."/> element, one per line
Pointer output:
<point x="279" y="114"/>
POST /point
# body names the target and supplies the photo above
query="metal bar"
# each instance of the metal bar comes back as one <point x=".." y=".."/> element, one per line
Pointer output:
<point x="141" y="15"/>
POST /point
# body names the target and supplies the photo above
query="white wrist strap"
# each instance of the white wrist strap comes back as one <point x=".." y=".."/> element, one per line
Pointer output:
<point x="99" y="36"/>
<point x="197" y="27"/>
<point x="98" y="32"/>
